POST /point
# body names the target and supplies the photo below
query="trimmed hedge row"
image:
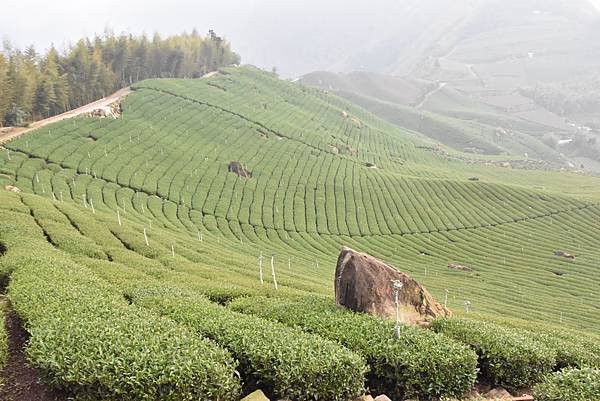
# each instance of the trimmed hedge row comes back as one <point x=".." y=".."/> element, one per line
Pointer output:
<point x="87" y="340"/>
<point x="507" y="357"/>
<point x="418" y="364"/>
<point x="574" y="349"/>
<point x="570" y="385"/>
<point x="283" y="361"/>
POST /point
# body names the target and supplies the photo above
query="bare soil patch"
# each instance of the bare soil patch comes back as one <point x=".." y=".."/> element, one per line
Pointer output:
<point x="21" y="381"/>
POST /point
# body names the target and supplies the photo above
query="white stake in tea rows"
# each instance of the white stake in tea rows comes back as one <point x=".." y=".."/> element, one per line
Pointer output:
<point x="273" y="272"/>
<point x="260" y="269"/>
<point x="396" y="287"/>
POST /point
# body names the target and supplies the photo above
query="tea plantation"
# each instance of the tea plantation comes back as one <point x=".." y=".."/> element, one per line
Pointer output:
<point x="133" y="256"/>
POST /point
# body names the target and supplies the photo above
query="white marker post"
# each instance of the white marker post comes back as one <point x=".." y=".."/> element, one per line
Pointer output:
<point x="119" y="217"/>
<point x="61" y="196"/>
<point x="397" y="286"/>
<point x="146" y="237"/>
<point x="446" y="299"/>
<point x="172" y="250"/>
<point x="199" y="235"/>
<point x="273" y="271"/>
<point x="260" y="270"/>
<point x="92" y="205"/>
<point x="84" y="201"/>
<point x="467" y="304"/>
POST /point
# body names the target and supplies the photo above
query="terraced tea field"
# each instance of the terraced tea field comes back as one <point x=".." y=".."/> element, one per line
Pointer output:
<point x="133" y="233"/>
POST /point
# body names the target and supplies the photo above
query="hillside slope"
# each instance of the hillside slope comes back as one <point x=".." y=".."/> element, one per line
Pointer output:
<point x="122" y="221"/>
<point x="176" y="138"/>
<point x="499" y="77"/>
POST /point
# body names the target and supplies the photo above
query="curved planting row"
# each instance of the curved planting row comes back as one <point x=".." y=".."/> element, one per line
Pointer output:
<point x="283" y="361"/>
<point x="179" y="133"/>
<point x="571" y="385"/>
<point x="506" y="357"/>
<point x="87" y="340"/>
<point x="419" y="363"/>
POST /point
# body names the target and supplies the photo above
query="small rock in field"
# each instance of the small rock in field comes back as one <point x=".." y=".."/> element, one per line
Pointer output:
<point x="363" y="398"/>
<point x="382" y="397"/>
<point x="257" y="395"/>
<point x="498" y="393"/>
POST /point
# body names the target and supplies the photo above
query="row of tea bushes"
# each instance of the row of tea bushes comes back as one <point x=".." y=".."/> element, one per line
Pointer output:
<point x="283" y="361"/>
<point x="87" y="340"/>
<point x="570" y="385"/>
<point x="506" y="357"/>
<point x="418" y="364"/>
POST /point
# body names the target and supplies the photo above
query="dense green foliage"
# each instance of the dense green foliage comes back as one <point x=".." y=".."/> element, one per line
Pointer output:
<point x="35" y="86"/>
<point x="88" y="340"/>
<point x="506" y="357"/>
<point x="419" y="363"/>
<point x="170" y="225"/>
<point x="282" y="361"/>
<point x="573" y="348"/>
<point x="570" y="385"/>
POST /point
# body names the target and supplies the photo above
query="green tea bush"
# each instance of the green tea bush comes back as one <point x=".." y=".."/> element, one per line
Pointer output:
<point x="573" y="348"/>
<point x="87" y="340"/>
<point x="283" y="361"/>
<point x="569" y="385"/>
<point x="509" y="358"/>
<point x="418" y="364"/>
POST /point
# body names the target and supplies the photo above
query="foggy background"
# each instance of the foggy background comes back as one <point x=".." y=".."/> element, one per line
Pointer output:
<point x="496" y="77"/>
<point x="297" y="36"/>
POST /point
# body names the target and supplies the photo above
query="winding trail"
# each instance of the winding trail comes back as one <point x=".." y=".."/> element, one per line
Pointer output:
<point x="432" y="92"/>
<point x="105" y="101"/>
<point x="6" y="137"/>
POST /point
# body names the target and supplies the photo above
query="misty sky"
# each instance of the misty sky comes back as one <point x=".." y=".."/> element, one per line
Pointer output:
<point x="251" y="25"/>
<point x="265" y="32"/>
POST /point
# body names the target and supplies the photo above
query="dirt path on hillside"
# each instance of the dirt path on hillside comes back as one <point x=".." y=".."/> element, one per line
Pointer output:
<point x="432" y="92"/>
<point x="21" y="381"/>
<point x="105" y="101"/>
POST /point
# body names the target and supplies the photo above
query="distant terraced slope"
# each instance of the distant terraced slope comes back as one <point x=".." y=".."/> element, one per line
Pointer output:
<point x="324" y="174"/>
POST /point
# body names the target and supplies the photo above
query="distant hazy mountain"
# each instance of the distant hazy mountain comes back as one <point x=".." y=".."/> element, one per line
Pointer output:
<point x="524" y="75"/>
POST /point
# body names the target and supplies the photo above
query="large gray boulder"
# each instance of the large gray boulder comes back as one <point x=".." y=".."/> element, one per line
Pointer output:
<point x="365" y="284"/>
